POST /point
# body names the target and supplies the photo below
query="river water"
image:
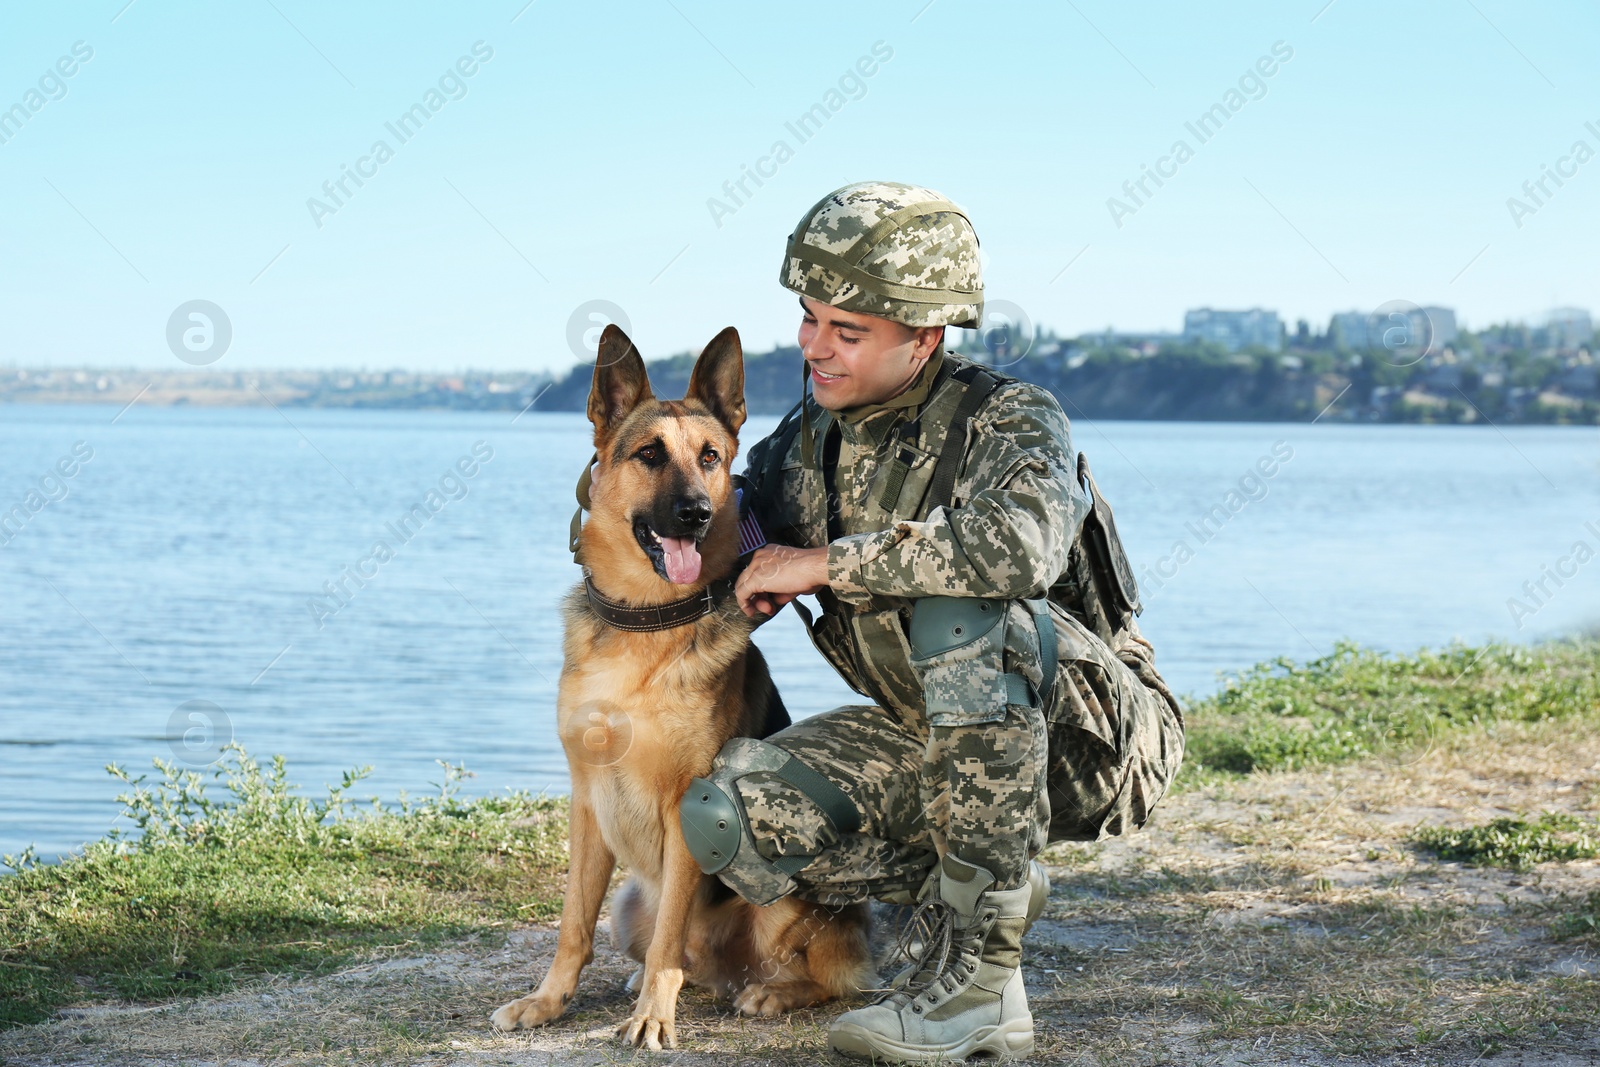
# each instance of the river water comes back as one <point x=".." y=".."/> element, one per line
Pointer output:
<point x="164" y="583"/>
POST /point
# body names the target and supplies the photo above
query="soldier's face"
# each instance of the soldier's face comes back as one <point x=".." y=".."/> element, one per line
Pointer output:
<point x="859" y="359"/>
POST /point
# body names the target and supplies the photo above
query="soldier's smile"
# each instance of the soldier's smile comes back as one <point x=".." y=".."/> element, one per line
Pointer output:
<point x="874" y="359"/>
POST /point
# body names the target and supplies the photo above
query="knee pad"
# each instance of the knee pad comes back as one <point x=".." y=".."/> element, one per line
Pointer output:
<point x="717" y="829"/>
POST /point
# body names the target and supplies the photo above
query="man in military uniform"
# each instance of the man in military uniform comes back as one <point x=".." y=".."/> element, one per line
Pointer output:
<point x="972" y="586"/>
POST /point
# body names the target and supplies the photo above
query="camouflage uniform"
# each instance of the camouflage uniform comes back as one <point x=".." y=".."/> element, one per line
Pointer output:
<point x="978" y="593"/>
<point x="949" y="759"/>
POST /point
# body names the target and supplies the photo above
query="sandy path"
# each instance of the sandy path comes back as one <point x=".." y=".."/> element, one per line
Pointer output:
<point x="1282" y="919"/>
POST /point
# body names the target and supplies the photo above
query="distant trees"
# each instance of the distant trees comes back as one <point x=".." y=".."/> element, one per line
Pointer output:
<point x="1496" y="373"/>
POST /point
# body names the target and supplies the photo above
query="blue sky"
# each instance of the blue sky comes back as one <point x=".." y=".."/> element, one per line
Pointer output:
<point x="576" y="164"/>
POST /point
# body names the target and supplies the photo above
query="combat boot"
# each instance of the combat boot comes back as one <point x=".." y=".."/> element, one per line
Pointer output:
<point x="1038" y="896"/>
<point x="965" y="995"/>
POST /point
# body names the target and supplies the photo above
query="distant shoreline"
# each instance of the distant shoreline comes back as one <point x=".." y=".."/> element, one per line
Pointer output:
<point x="1197" y="384"/>
<point x="1073" y="417"/>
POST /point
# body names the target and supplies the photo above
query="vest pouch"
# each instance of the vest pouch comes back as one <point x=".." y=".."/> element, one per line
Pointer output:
<point x="832" y="637"/>
<point x="1101" y="571"/>
<point x="902" y="481"/>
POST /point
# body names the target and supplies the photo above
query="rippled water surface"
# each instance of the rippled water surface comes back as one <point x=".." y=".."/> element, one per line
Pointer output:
<point x="177" y="563"/>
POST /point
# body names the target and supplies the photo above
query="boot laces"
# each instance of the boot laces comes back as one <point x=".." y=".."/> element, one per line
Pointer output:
<point x="934" y="925"/>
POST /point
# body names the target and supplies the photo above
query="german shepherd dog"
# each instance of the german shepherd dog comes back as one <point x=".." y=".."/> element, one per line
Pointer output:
<point x="641" y="712"/>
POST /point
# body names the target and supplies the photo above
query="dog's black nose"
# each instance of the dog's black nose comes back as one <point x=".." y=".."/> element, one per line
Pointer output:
<point x="692" y="513"/>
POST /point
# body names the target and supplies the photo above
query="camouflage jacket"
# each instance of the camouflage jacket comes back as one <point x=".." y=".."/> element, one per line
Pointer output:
<point x="1016" y="510"/>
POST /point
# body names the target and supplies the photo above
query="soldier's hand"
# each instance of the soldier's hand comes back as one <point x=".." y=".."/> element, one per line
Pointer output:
<point x="777" y="574"/>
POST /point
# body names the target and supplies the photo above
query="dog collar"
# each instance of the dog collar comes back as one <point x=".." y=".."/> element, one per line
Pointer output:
<point x="658" y="616"/>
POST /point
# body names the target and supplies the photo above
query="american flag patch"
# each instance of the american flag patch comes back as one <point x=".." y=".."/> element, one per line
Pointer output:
<point x="750" y="535"/>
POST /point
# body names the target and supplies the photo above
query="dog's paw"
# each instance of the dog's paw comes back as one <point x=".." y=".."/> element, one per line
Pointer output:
<point x="759" y="998"/>
<point x="635" y="980"/>
<point x="649" y="1031"/>
<point x="535" y="1009"/>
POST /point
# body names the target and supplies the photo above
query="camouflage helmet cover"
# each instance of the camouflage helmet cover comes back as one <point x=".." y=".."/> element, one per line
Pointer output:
<point x="901" y="252"/>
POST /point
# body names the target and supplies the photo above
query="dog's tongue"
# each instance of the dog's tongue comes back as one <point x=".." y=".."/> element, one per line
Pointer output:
<point x="682" y="559"/>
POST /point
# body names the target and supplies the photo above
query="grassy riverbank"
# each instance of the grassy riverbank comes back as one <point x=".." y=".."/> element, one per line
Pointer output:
<point x="1357" y="703"/>
<point x="246" y="878"/>
<point x="1367" y="853"/>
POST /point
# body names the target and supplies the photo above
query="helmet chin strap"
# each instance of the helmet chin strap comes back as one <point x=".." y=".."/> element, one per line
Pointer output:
<point x="808" y="444"/>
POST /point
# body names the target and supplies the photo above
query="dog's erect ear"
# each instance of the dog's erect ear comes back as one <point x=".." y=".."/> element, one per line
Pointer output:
<point x="718" y="379"/>
<point x="620" y="380"/>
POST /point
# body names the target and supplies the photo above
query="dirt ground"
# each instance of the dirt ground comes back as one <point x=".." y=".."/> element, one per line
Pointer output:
<point x="1282" y="919"/>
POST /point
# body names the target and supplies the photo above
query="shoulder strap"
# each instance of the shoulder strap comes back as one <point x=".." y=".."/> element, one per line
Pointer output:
<point x="778" y="445"/>
<point x="910" y="430"/>
<point x="977" y="383"/>
<point x="832" y="500"/>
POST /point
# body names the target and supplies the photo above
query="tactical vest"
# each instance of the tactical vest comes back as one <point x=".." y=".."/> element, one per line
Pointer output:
<point x="915" y="471"/>
<point x="1097" y="587"/>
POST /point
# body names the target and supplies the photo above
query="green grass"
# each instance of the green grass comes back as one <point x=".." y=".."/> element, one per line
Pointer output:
<point x="1580" y="918"/>
<point x="259" y="880"/>
<point x="1357" y="703"/>
<point x="253" y="879"/>
<point x="1515" y="843"/>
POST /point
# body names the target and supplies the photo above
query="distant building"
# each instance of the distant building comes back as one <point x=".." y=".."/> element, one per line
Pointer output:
<point x="1234" y="330"/>
<point x="1569" y="328"/>
<point x="1349" y="330"/>
<point x="1444" y="327"/>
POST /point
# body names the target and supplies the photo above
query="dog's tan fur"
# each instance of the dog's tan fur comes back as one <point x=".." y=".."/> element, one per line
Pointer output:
<point x="641" y="713"/>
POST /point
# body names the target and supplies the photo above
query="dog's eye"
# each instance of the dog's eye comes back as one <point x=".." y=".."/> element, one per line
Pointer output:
<point x="709" y="457"/>
<point x="647" y="453"/>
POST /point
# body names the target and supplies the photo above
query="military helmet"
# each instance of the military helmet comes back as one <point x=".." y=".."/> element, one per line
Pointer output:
<point x="898" y="251"/>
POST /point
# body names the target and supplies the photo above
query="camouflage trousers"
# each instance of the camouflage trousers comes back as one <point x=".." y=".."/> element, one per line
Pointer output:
<point x="1091" y="765"/>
